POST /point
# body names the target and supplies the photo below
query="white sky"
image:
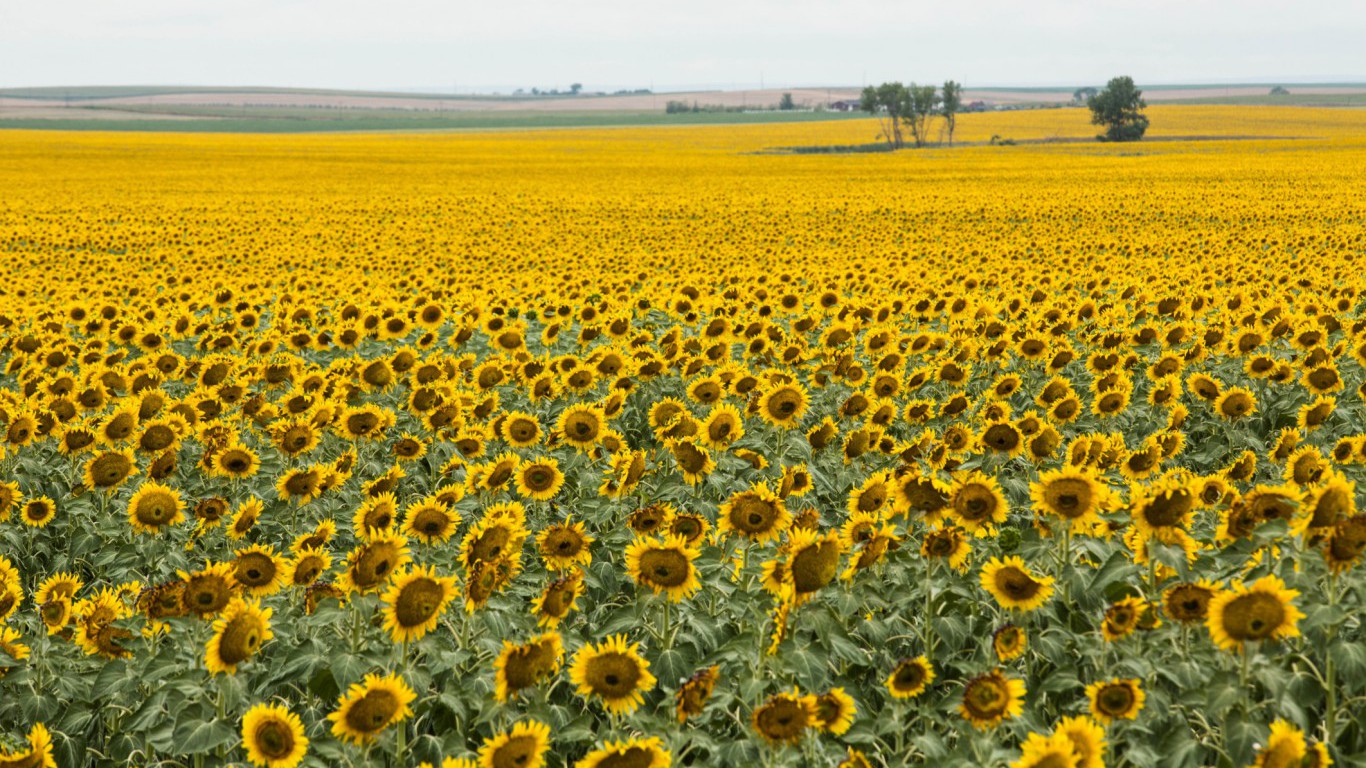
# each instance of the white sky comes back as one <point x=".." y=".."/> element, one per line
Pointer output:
<point x="608" y="44"/>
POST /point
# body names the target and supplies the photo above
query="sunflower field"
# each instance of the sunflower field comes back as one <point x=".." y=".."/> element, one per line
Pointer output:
<point x="650" y="447"/>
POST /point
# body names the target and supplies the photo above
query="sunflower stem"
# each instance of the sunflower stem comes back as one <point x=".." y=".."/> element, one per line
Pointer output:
<point x="928" y="637"/>
<point x="668" y="637"/>
<point x="1330" y="714"/>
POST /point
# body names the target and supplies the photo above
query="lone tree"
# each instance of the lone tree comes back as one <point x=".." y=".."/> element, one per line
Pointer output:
<point x="1119" y="107"/>
<point x="950" y="102"/>
<point x="786" y="103"/>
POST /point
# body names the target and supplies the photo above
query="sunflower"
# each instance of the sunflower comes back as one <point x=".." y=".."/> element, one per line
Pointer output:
<point x="784" y="717"/>
<point x="723" y="426"/>
<point x="976" y="501"/>
<point x="1344" y="543"/>
<point x="1122" y="617"/>
<point x="370" y="565"/>
<point x="209" y="590"/>
<point x="37" y="755"/>
<point x="414" y="602"/>
<point x="38" y="512"/>
<point x="299" y="485"/>
<point x="430" y="521"/>
<point x="612" y="672"/>
<point x="694" y="693"/>
<point x="60" y="586"/>
<point x="369" y="707"/>
<point x="910" y="678"/>
<point x="521" y="429"/>
<point x="1235" y="403"/>
<point x="375" y="516"/>
<point x="855" y="759"/>
<point x="522" y="747"/>
<point x="1285" y="747"/>
<point x="1188" y="602"/>
<point x="1115" y="699"/>
<point x="812" y="562"/>
<point x="557" y="599"/>
<point x="1002" y="437"/>
<point x="540" y="479"/>
<point x="635" y="753"/>
<point x="244" y="518"/>
<point x="238" y="634"/>
<point x="991" y="698"/>
<point x="106" y="470"/>
<point x="1253" y="613"/>
<point x="783" y="405"/>
<point x="259" y="569"/>
<point x="924" y="494"/>
<point x="96" y="632"/>
<point x="1040" y="751"/>
<point x="693" y="527"/>
<point x="525" y="665"/>
<point x="9" y="499"/>
<point x="665" y="565"/>
<point x="1072" y="494"/>
<point x="757" y="514"/>
<point x="307" y="567"/>
<point x="564" y="546"/>
<point x="1013" y="585"/>
<point x="1009" y="642"/>
<point x="236" y="462"/>
<point x="872" y="496"/>
<point x="694" y="461"/>
<point x="1088" y="740"/>
<point x="581" y="425"/>
<point x="835" y="712"/>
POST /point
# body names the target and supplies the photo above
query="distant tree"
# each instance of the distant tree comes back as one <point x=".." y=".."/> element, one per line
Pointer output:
<point x="786" y="103"/>
<point x="1280" y="90"/>
<point x="1119" y="107"/>
<point x="950" y="103"/>
<point x="888" y="103"/>
<point x="921" y="101"/>
<point x="575" y="88"/>
<point x="1082" y="95"/>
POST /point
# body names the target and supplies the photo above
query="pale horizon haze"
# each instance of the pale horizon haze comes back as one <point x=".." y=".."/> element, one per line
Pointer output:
<point x="707" y="44"/>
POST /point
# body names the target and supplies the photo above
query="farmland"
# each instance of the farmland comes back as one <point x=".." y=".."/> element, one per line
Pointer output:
<point x="656" y="446"/>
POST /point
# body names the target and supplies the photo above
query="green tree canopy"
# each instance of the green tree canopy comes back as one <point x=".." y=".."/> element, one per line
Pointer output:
<point x="1119" y="107"/>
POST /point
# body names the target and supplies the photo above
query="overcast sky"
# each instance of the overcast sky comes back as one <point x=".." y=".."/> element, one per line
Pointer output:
<point x="609" y="44"/>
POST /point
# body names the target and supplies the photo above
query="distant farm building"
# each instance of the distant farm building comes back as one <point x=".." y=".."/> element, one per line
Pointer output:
<point x="844" y="106"/>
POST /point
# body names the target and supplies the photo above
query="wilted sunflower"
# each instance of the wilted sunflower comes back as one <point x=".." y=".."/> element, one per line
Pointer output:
<point x="634" y="753"/>
<point x="664" y="565"/>
<point x="1188" y="602"/>
<point x="37" y="755"/>
<point x="369" y="707"/>
<point x="835" y="712"/>
<point x="976" y="501"/>
<point x="273" y="737"/>
<point x="1344" y="543"/>
<point x="910" y="678"/>
<point x="1040" y="751"/>
<point x="1163" y="509"/>
<point x="612" y="672"/>
<point x="695" y="692"/>
<point x="1013" y="585"/>
<point x="757" y="514"/>
<point x="693" y="460"/>
<point x="991" y="698"/>
<point x="1009" y="642"/>
<point x="106" y="470"/>
<point x="370" y="565"/>
<point x="1117" y="699"/>
<point x="1253" y="613"/>
<point x="557" y="599"/>
<point x="414" y="601"/>
<point x="96" y="632"/>
<point x="238" y="634"/>
<point x="784" y="717"/>
<point x="525" y="665"/>
<point x="522" y="747"/>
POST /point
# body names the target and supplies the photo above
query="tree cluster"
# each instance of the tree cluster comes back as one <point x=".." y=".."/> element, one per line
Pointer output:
<point x="909" y="110"/>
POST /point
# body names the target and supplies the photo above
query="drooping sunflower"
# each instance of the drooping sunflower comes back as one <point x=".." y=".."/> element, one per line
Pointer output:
<point x="910" y="678"/>
<point x="976" y="501"/>
<point x="238" y="635"/>
<point x="1188" y="602"/>
<point x="370" y="706"/>
<point x="1117" y="699"/>
<point x="1052" y="751"/>
<point x="636" y="753"/>
<point x="1253" y="613"/>
<point x="991" y="698"/>
<point x="524" y="746"/>
<point x="757" y="514"/>
<point x="414" y="602"/>
<point x="613" y="673"/>
<point x="1072" y="494"/>
<point x="835" y="711"/>
<point x="107" y="469"/>
<point x="784" y="717"/>
<point x="665" y="565"/>
<point x="695" y="692"/>
<point x="522" y="666"/>
<point x="693" y="460"/>
<point x="1013" y="585"/>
